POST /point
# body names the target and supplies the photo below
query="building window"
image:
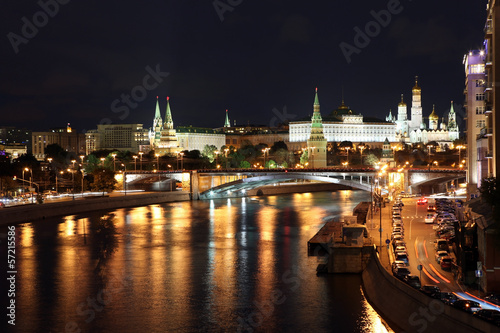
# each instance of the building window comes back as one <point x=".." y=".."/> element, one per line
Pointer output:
<point x="481" y="123"/>
<point x="479" y="109"/>
<point x="479" y="97"/>
<point x="479" y="83"/>
<point x="476" y="69"/>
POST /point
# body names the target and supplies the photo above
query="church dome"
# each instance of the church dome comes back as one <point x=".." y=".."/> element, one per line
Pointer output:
<point x="416" y="87"/>
<point x="402" y="103"/>
<point x="433" y="115"/>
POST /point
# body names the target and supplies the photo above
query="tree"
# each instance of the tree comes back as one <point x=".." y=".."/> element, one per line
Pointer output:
<point x="209" y="152"/>
<point x="304" y="158"/>
<point x="278" y="145"/>
<point x="104" y="180"/>
<point x="270" y="164"/>
<point x="371" y="159"/>
<point x="245" y="165"/>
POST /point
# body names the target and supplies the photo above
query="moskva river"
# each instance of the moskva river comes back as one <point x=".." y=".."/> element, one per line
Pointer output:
<point x="224" y="265"/>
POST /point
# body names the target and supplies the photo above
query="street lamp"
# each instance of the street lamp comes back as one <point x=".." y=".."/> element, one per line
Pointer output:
<point x="102" y="161"/>
<point x="157" y="161"/>
<point x="361" y="148"/>
<point x="347" y="148"/>
<point x="50" y="161"/>
<point x="73" y="178"/>
<point x="265" y="150"/>
<point x="216" y="157"/>
<point x="140" y="153"/>
<point x="114" y="160"/>
<point x="226" y="151"/>
<point x="459" y="147"/>
<point x="182" y="160"/>
<point x="135" y="163"/>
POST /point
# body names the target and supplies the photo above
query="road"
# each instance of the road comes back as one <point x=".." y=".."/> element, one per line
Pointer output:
<point x="420" y="237"/>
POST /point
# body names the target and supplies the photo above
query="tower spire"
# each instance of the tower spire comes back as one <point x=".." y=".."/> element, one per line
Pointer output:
<point x="316" y="99"/>
<point x="227" y="123"/>
<point x="169" y="123"/>
<point x="157" y="121"/>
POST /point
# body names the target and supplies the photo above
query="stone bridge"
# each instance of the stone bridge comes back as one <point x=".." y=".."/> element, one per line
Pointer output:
<point x="206" y="184"/>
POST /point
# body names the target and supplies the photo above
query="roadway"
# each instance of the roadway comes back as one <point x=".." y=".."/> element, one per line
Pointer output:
<point x="420" y="240"/>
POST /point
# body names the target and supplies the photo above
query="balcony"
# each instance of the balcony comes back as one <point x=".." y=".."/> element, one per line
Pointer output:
<point x="488" y="108"/>
<point x="486" y="132"/>
<point x="488" y="86"/>
<point x="488" y="27"/>
<point x="488" y="154"/>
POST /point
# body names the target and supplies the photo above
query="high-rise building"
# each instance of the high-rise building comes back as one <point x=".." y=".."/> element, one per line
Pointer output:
<point x="67" y="138"/>
<point x="316" y="144"/>
<point x="122" y="137"/>
<point x="15" y="137"/>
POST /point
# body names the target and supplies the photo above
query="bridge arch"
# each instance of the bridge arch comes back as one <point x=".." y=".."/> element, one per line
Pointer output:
<point x="241" y="186"/>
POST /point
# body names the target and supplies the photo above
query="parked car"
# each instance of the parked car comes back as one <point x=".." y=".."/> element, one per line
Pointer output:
<point x="431" y="290"/>
<point x="396" y="264"/>
<point x="467" y="305"/>
<point x="440" y="254"/>
<point x="493" y="316"/>
<point x="493" y="298"/>
<point x="399" y="243"/>
<point x="402" y="256"/>
<point x="401" y="272"/>
<point x="448" y="298"/>
<point x="431" y="208"/>
<point x="446" y="262"/>
<point x="441" y="244"/>
<point x="401" y="249"/>
<point x="412" y="280"/>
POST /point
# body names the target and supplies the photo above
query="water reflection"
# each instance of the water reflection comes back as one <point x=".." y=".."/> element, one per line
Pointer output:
<point x="218" y="265"/>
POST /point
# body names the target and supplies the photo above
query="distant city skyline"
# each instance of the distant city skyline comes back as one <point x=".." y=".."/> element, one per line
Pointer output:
<point x="261" y="62"/>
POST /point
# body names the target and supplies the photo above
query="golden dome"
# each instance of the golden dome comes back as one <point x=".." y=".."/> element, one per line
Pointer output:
<point x="433" y="115"/>
<point x="402" y="103"/>
<point x="416" y="87"/>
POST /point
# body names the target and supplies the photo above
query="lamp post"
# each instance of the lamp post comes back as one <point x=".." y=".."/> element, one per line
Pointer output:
<point x="73" y="178"/>
<point x="459" y="147"/>
<point x="182" y="160"/>
<point x="140" y="154"/>
<point x="265" y="150"/>
<point x="348" y="148"/>
<point x="361" y="148"/>
<point x="102" y="161"/>
<point x="226" y="151"/>
<point x="135" y="163"/>
<point x="216" y="157"/>
<point x="114" y="162"/>
<point x="50" y="161"/>
<point x="158" y="165"/>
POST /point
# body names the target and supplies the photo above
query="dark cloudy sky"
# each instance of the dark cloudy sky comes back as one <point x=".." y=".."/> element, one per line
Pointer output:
<point x="262" y="56"/>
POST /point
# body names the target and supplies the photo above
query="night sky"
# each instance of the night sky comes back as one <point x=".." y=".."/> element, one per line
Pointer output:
<point x="251" y="57"/>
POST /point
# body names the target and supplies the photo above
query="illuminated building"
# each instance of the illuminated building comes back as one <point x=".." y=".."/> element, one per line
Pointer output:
<point x="69" y="140"/>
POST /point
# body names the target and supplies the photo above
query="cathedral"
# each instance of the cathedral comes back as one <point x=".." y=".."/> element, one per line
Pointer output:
<point x="414" y="130"/>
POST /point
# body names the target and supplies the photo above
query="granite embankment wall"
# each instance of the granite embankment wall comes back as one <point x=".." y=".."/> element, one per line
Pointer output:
<point x="412" y="311"/>
<point x="30" y="213"/>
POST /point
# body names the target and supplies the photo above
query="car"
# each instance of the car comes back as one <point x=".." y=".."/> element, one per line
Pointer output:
<point x="431" y="208"/>
<point x="441" y="244"/>
<point x="402" y="249"/>
<point x="440" y="254"/>
<point x="431" y="290"/>
<point x="448" y="298"/>
<point x="402" y="256"/>
<point x="493" y="316"/>
<point x="396" y="264"/>
<point x="398" y="229"/>
<point x="422" y="201"/>
<point x="430" y="218"/>
<point x="446" y="262"/>
<point x="401" y="272"/>
<point x="397" y="243"/>
<point x="467" y="305"/>
<point x="493" y="298"/>
<point x="412" y="280"/>
<point x="397" y="236"/>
